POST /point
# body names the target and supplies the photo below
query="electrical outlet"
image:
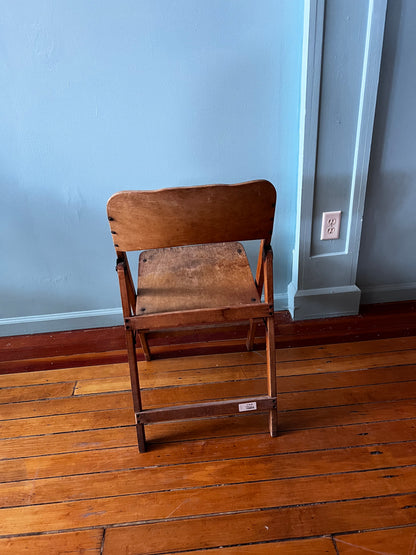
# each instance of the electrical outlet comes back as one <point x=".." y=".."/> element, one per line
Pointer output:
<point x="331" y="222"/>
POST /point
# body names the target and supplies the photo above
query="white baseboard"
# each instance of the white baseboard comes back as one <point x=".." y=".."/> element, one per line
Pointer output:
<point x="63" y="321"/>
<point x="327" y="302"/>
<point x="280" y="301"/>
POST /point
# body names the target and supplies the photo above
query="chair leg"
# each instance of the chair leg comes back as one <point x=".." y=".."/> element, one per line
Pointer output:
<point x="141" y="438"/>
<point x="250" y="336"/>
<point x="135" y="387"/>
<point x="271" y="373"/>
<point x="145" y="345"/>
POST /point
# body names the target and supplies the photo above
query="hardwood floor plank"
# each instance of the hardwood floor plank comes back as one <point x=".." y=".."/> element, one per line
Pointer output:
<point x="289" y="421"/>
<point x="374" y="393"/>
<point x="36" y="392"/>
<point x="61" y="375"/>
<point x="351" y="351"/>
<point x="154" y="379"/>
<point x="68" y="405"/>
<point x="85" y="541"/>
<point x="305" y="398"/>
<point x="288" y="383"/>
<point x="236" y="388"/>
<point x="344" y="461"/>
<point x="334" y="380"/>
<point x="203" y="429"/>
<point x="84" y="441"/>
<point x="121" y="369"/>
<point x="316" y="546"/>
<point x="346" y="349"/>
<point x="88" y="448"/>
<point x="339" y="402"/>
<point x="203" y="474"/>
<point x="204" y="501"/>
<point x="164" y="372"/>
<point x="267" y="525"/>
<point x="342" y="364"/>
<point x="401" y="541"/>
<point x="67" y="423"/>
<point x="283" y="356"/>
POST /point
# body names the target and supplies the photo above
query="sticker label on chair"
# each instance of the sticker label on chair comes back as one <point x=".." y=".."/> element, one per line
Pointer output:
<point x="242" y="407"/>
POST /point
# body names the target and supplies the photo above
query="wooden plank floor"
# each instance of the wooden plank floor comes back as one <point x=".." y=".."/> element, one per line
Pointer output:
<point x="340" y="478"/>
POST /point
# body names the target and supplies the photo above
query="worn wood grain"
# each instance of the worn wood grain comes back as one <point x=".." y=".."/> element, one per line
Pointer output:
<point x="81" y="452"/>
<point x="344" y="461"/>
<point x="283" y="523"/>
<point x="85" y="541"/>
<point x="102" y="511"/>
<point x="305" y="382"/>
<point x="316" y="546"/>
<point x="193" y="277"/>
<point x="236" y="386"/>
<point x="36" y="392"/>
<point x="191" y="215"/>
<point x="295" y="409"/>
<point x="399" y="540"/>
<point x="202" y="474"/>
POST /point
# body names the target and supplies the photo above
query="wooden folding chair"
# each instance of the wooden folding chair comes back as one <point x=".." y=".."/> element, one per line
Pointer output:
<point x="193" y="272"/>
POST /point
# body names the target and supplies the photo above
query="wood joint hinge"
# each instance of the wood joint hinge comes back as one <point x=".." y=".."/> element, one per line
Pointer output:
<point x="120" y="264"/>
<point x="137" y="415"/>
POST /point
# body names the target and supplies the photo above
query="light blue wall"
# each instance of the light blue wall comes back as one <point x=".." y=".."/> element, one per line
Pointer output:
<point x="387" y="264"/>
<point x="98" y="96"/>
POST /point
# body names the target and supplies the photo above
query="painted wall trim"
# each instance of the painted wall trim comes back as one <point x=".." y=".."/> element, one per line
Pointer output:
<point x="326" y="302"/>
<point x="330" y="269"/>
<point x="66" y="321"/>
<point x="63" y="321"/>
<point x="313" y="32"/>
<point x="368" y="99"/>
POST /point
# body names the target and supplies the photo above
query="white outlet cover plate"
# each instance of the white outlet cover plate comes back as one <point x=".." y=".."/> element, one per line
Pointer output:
<point x="331" y="223"/>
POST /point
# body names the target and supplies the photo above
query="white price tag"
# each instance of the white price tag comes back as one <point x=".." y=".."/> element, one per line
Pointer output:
<point x="242" y="407"/>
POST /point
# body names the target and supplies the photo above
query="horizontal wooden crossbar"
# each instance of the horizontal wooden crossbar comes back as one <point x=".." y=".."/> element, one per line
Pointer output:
<point x="201" y="410"/>
<point x="199" y="317"/>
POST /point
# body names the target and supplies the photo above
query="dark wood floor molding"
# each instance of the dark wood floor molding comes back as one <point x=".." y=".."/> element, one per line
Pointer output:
<point x="106" y="345"/>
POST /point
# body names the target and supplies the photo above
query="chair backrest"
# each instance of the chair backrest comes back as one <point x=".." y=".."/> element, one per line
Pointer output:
<point x="192" y="215"/>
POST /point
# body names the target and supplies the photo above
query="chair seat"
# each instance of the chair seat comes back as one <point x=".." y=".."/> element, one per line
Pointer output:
<point x="194" y="277"/>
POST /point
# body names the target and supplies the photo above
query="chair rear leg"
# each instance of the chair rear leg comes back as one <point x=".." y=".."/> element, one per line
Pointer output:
<point x="135" y="388"/>
<point x="145" y="345"/>
<point x="141" y="438"/>
<point x="271" y="373"/>
<point x="250" y="336"/>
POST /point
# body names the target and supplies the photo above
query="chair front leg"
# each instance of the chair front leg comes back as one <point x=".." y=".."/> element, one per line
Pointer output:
<point x="271" y="373"/>
<point x="270" y="339"/>
<point x="135" y="387"/>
